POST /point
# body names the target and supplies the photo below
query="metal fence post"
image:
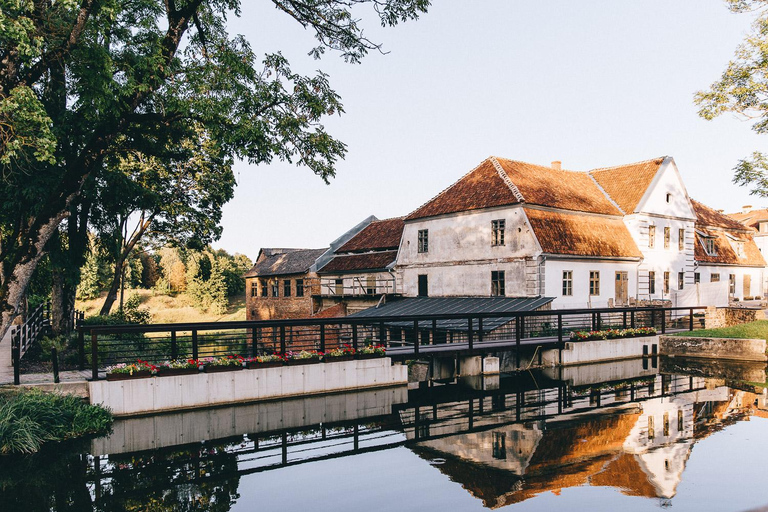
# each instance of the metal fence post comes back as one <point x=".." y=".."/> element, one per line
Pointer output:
<point x="663" y="321"/>
<point x="415" y="337"/>
<point x="80" y="346"/>
<point x="55" y="362"/>
<point x="690" y="321"/>
<point x="559" y="327"/>
<point x="174" y="346"/>
<point x="383" y="335"/>
<point x="282" y="339"/>
<point x="94" y="356"/>
<point x="354" y="337"/>
<point x="322" y="337"/>
<point x="195" y="352"/>
<point x="470" y="334"/>
<point x="480" y="329"/>
<point x="16" y="355"/>
<point x="632" y="319"/>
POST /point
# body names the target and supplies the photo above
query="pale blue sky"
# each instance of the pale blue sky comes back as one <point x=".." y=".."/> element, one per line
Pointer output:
<point x="593" y="83"/>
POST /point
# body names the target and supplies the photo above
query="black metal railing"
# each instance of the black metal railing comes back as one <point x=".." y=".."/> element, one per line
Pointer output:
<point x="404" y="336"/>
<point x="24" y="335"/>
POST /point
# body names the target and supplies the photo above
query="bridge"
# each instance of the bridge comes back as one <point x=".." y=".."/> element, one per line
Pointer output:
<point x="404" y="336"/>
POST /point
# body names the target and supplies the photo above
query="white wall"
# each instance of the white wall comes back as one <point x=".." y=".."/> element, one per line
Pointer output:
<point x="756" y="273"/>
<point x="553" y="270"/>
<point x="461" y="258"/>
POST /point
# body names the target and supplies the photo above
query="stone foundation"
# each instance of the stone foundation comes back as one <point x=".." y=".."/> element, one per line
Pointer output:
<point x="713" y="348"/>
<point x="726" y="317"/>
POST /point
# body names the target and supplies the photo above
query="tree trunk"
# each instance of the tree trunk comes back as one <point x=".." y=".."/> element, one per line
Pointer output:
<point x="113" y="288"/>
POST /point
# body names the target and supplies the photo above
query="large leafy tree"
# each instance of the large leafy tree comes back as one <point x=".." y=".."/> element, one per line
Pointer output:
<point x="83" y="81"/>
<point x="743" y="90"/>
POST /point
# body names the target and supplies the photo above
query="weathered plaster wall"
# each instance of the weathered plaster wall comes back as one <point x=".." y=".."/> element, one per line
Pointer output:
<point x="554" y="268"/>
<point x="715" y="348"/>
<point x="726" y="317"/>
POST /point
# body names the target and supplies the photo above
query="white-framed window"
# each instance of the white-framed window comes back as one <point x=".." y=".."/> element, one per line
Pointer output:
<point x="680" y="280"/>
<point x="732" y="284"/>
<point x="651" y="236"/>
<point x="594" y="282"/>
<point x="497" y="232"/>
<point x="714" y="278"/>
<point x="709" y="246"/>
<point x="680" y="239"/>
<point x="667" y="236"/>
<point x="666" y="283"/>
<point x="567" y="283"/>
<point x="651" y="282"/>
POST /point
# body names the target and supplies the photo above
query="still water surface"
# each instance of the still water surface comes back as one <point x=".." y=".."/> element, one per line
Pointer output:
<point x="605" y="437"/>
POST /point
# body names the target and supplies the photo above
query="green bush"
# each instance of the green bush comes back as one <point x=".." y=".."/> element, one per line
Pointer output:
<point x="29" y="418"/>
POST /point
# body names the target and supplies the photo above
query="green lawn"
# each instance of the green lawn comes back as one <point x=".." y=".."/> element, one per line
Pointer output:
<point x="753" y="330"/>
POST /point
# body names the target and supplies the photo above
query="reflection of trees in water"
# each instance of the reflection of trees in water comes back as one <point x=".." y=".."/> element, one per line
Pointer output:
<point x="200" y="477"/>
<point x="56" y="478"/>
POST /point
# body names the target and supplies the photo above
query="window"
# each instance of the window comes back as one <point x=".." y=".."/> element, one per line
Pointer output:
<point x="567" y="282"/>
<point x="680" y="239"/>
<point x="763" y="227"/>
<point x="254" y="288"/>
<point x="500" y="445"/>
<point x="651" y="282"/>
<point x="667" y="236"/>
<point x="263" y="288"/>
<point x="287" y="288"/>
<point x="696" y="278"/>
<point x="651" y="236"/>
<point x="497" y="283"/>
<point x="651" y="428"/>
<point x="497" y="232"/>
<point x="275" y="289"/>
<point x="666" y="283"/>
<point x="739" y="246"/>
<point x="666" y="424"/>
<point x="680" y="280"/>
<point x="714" y="278"/>
<point x="732" y="284"/>
<point x="669" y="197"/>
<point x="709" y="246"/>
<point x="679" y="420"/>
<point x="594" y="282"/>
<point x="299" y="287"/>
<point x="423" y="240"/>
<point x="423" y="285"/>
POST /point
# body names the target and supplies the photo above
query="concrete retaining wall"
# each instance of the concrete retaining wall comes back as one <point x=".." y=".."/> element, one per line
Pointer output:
<point x="157" y="394"/>
<point x="172" y="429"/>
<point x="580" y="352"/>
<point x="715" y="348"/>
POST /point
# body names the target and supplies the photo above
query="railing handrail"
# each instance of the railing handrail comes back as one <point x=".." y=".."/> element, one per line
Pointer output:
<point x="248" y="324"/>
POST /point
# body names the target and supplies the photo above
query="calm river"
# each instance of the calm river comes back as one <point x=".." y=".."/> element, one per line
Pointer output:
<point x="636" y="435"/>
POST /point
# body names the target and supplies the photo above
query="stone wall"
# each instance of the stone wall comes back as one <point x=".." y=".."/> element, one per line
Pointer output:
<point x="726" y="317"/>
<point x="715" y="348"/>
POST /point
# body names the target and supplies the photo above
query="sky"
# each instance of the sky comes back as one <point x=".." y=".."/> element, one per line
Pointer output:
<point x="592" y="83"/>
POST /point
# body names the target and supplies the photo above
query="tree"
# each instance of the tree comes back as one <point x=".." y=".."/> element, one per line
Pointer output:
<point x="743" y="89"/>
<point x="84" y="82"/>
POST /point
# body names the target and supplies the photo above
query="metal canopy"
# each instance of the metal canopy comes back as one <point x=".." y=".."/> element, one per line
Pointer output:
<point x="426" y="306"/>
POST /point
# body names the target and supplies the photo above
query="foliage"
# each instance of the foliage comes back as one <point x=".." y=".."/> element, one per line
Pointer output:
<point x="378" y="350"/>
<point x="267" y="358"/>
<point x="612" y="334"/>
<point x="29" y="418"/>
<point x="343" y="351"/>
<point x="231" y="360"/>
<point x="179" y="364"/>
<point x="304" y="354"/>
<point x="751" y="330"/>
<point x="124" y="92"/>
<point x="743" y="89"/>
<point x="131" y="368"/>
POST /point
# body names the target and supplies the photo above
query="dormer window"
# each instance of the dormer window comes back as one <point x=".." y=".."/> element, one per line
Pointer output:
<point x="709" y="246"/>
<point x="763" y="227"/>
<point x="739" y="248"/>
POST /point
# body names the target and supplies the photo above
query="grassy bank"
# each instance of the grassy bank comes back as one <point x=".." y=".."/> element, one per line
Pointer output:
<point x="752" y="330"/>
<point x="29" y="418"/>
<point x="171" y="308"/>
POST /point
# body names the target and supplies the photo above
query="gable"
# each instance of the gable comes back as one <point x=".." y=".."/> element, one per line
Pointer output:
<point x="627" y="184"/>
<point x="667" y="194"/>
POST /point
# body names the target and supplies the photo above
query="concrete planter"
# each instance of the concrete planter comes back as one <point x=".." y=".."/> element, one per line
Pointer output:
<point x="300" y="362"/>
<point x="147" y="396"/>
<point x="168" y="372"/>
<point x="338" y="359"/>
<point x="220" y="369"/>
<point x="253" y="365"/>
<point x="368" y="356"/>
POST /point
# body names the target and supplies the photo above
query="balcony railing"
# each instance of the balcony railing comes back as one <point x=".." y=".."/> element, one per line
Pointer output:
<point x="356" y="286"/>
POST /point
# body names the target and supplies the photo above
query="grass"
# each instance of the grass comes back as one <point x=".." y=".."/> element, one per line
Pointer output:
<point x="29" y="418"/>
<point x="752" y="330"/>
<point x="170" y="308"/>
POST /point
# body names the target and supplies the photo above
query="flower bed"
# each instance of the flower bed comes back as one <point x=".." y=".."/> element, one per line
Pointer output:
<point x="222" y="364"/>
<point x="303" y="357"/>
<point x="345" y="353"/>
<point x="178" y="367"/>
<point x="266" y="361"/>
<point x="612" y="334"/>
<point x="124" y="371"/>
<point x="371" y="352"/>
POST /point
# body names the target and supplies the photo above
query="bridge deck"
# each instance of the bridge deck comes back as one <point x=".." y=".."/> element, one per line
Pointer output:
<point x="479" y="347"/>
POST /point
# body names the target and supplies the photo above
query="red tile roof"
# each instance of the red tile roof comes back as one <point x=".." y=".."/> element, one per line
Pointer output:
<point x="626" y="184"/>
<point x="582" y="235"/>
<point x="502" y="182"/>
<point x="707" y="217"/>
<point x="359" y="262"/>
<point x="750" y="218"/>
<point x="378" y="235"/>
<point x="719" y="226"/>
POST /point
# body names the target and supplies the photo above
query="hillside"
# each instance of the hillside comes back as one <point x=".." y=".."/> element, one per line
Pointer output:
<point x="170" y="308"/>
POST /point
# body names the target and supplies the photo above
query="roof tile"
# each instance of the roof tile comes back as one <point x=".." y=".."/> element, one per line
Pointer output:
<point x="626" y="184"/>
<point x="378" y="235"/>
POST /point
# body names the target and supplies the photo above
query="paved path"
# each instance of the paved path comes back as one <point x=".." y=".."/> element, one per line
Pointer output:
<point x="6" y="365"/>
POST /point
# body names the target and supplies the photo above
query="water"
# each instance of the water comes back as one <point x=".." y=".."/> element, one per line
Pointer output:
<point x="626" y="436"/>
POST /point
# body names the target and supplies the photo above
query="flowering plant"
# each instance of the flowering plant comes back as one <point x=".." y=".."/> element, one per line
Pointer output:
<point x="346" y="350"/>
<point x="233" y="360"/>
<point x="267" y="358"/>
<point x="304" y="354"/>
<point x="378" y="350"/>
<point x="179" y="364"/>
<point x="612" y="334"/>
<point x="131" y="368"/>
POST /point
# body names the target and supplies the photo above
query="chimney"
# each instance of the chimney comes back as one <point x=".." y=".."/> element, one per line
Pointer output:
<point x="746" y="208"/>
<point x="557" y="165"/>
